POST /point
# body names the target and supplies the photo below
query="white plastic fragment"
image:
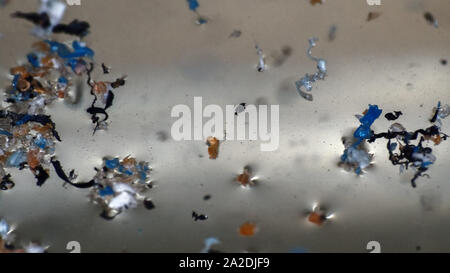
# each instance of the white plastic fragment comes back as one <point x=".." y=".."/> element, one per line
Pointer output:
<point x="35" y="248"/>
<point x="358" y="157"/>
<point x="125" y="198"/>
<point x="307" y="80"/>
<point x="55" y="10"/>
<point x="209" y="242"/>
<point x="4" y="229"/>
<point x="261" y="63"/>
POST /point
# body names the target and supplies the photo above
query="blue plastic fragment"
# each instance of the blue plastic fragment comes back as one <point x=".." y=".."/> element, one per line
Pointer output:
<point x="392" y="147"/>
<point x="202" y="21"/>
<point x="363" y="131"/>
<point x="58" y="48"/>
<point x="124" y="170"/>
<point x="106" y="191"/>
<point x="6" y="133"/>
<point x="193" y="4"/>
<point x="62" y="80"/>
<point x="23" y="120"/>
<point x="64" y="52"/>
<point x="15" y="80"/>
<point x="16" y="158"/>
<point x="33" y="60"/>
<point x="40" y="141"/>
<point x="112" y="163"/>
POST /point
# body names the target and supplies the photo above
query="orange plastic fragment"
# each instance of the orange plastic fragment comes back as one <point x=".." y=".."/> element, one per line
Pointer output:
<point x="129" y="161"/>
<point x="247" y="229"/>
<point x="316" y="218"/>
<point x="21" y="70"/>
<point x="43" y="129"/>
<point x="437" y="139"/>
<point x="32" y="159"/>
<point x="61" y="94"/>
<point x="100" y="88"/>
<point x="244" y="178"/>
<point x="21" y="130"/>
<point x="47" y="61"/>
<point x="213" y="149"/>
<point x="41" y="46"/>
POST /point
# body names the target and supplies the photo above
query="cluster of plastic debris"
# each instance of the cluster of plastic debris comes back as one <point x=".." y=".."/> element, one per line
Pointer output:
<point x="120" y="185"/>
<point x="27" y="135"/>
<point x="417" y="156"/>
<point x="8" y="239"/>
<point x="400" y="148"/>
<point x="307" y="80"/>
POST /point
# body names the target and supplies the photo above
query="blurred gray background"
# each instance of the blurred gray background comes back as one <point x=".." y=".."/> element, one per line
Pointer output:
<point x="392" y="61"/>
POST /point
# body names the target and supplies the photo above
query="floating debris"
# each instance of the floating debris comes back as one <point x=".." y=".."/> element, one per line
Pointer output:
<point x="213" y="147"/>
<point x="393" y="116"/>
<point x="120" y="184"/>
<point x="235" y="34"/>
<point x="280" y="58"/>
<point x="430" y="19"/>
<point x="332" y="33"/>
<point x="200" y="217"/>
<point x="314" y="2"/>
<point x="209" y="242"/>
<point x="207" y="197"/>
<point x="106" y="70"/>
<point x="307" y="80"/>
<point x="240" y="108"/>
<point x="443" y="61"/>
<point x="247" y="229"/>
<point x="373" y="15"/>
<point x="261" y="67"/>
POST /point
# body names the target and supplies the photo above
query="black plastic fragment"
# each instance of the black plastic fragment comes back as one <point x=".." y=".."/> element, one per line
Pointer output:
<point x="41" y="175"/>
<point x="105" y="69"/>
<point x="109" y="99"/>
<point x="60" y="172"/>
<point x="40" y="19"/>
<point x="148" y="204"/>
<point x="197" y="216"/>
<point x="393" y="115"/>
<point x="77" y="28"/>
<point x="6" y="183"/>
